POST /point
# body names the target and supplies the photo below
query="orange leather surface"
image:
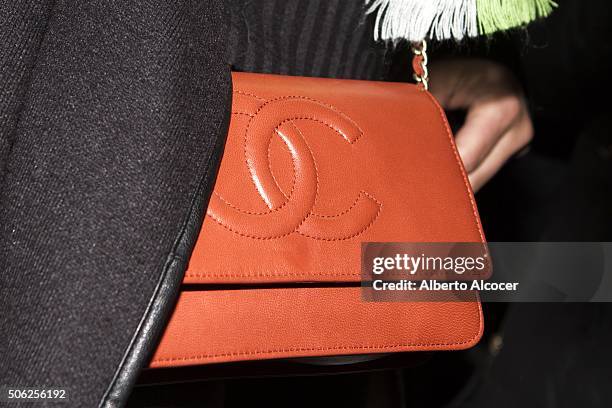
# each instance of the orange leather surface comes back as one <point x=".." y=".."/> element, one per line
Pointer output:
<point x="313" y="167"/>
<point x="221" y="326"/>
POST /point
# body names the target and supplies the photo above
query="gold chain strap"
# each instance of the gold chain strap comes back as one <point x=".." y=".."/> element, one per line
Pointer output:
<point x="421" y="74"/>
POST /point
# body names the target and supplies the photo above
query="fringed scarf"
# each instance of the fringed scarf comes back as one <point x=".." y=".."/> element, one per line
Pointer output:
<point x="416" y="20"/>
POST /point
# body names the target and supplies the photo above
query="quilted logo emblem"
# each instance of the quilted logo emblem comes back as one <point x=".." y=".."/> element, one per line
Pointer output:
<point x="291" y="213"/>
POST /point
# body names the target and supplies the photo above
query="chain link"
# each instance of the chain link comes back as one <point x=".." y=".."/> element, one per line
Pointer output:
<point x="419" y="64"/>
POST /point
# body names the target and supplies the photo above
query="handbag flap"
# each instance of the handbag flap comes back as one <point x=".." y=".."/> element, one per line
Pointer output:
<point x="314" y="167"/>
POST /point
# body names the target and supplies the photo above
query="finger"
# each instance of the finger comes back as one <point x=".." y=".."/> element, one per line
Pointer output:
<point x="459" y="83"/>
<point x="486" y="122"/>
<point x="513" y="141"/>
<point x="450" y="82"/>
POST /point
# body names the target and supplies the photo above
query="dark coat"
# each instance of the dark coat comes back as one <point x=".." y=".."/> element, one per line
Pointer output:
<point x="112" y="119"/>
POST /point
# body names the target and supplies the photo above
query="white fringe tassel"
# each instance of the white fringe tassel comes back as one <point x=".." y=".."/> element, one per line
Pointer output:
<point x="416" y="20"/>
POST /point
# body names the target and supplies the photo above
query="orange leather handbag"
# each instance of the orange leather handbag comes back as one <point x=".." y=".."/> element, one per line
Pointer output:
<point x="312" y="168"/>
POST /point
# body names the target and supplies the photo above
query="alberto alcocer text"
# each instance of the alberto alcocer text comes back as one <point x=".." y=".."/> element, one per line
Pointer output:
<point x="434" y="285"/>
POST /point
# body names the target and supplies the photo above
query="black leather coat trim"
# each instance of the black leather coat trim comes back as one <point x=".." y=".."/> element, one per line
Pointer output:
<point x="151" y="327"/>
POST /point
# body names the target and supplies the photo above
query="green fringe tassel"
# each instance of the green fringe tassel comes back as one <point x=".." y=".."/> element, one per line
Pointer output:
<point x="498" y="15"/>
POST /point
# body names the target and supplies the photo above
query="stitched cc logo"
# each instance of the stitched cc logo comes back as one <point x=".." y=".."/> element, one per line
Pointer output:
<point x="291" y="213"/>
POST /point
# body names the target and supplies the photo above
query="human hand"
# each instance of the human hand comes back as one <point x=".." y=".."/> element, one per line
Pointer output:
<point x="497" y="124"/>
